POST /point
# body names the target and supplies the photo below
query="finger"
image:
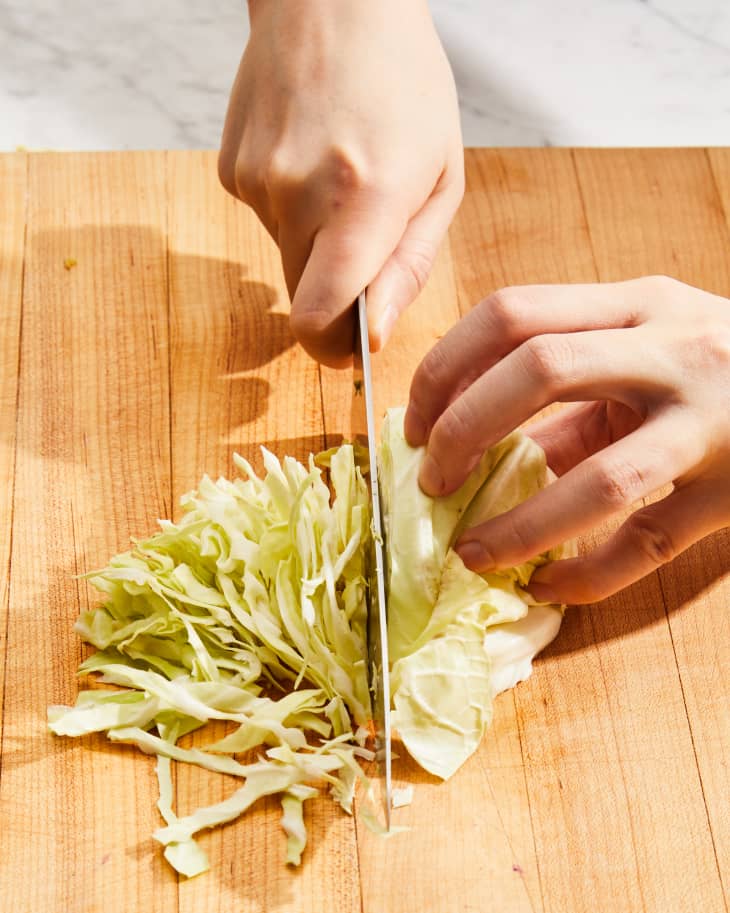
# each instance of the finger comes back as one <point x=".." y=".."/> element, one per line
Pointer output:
<point x="650" y="538"/>
<point x="405" y="273"/>
<point x="609" y="364"/>
<point x="614" y="479"/>
<point x="346" y="255"/>
<point x="575" y="432"/>
<point x="499" y="324"/>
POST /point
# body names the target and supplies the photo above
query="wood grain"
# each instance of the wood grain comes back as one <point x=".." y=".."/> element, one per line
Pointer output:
<point x="655" y="212"/>
<point x="603" y="782"/>
<point x="719" y="160"/>
<point x="697" y="598"/>
<point x="13" y="177"/>
<point x="92" y="468"/>
<point x="671" y="222"/>
<point x="521" y="223"/>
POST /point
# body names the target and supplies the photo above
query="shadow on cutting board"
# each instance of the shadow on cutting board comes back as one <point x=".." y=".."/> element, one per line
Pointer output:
<point x="116" y="323"/>
<point x="167" y="360"/>
<point x="650" y="601"/>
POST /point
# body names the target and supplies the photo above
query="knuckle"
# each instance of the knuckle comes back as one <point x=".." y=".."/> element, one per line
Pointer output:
<point x="651" y="538"/>
<point x="505" y="308"/>
<point x="343" y="251"/>
<point x="519" y="537"/>
<point x="431" y="373"/>
<point x="546" y="361"/>
<point x="322" y="336"/>
<point x="722" y="344"/>
<point x="347" y="174"/>
<point x="308" y="325"/>
<point x="660" y="284"/>
<point x="704" y="348"/>
<point x="714" y="344"/>
<point x="617" y="484"/>
<point x="659" y="293"/>
<point x="227" y="172"/>
<point x="454" y="428"/>
<point x="273" y="175"/>
<point x="278" y="176"/>
<point x="248" y="180"/>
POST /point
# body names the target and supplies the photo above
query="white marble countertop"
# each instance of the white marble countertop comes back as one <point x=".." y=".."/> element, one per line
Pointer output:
<point x="90" y="75"/>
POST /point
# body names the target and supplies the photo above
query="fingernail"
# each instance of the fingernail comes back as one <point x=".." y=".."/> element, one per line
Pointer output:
<point x="474" y="555"/>
<point x="415" y="428"/>
<point x="430" y="478"/>
<point x="542" y="593"/>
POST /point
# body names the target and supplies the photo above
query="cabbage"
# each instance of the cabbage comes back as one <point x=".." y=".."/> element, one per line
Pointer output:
<point x="448" y="625"/>
<point x="252" y="610"/>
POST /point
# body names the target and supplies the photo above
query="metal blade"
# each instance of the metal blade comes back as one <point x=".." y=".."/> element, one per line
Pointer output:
<point x="363" y="418"/>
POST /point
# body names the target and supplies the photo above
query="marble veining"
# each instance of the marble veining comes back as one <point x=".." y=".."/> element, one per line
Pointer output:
<point x="89" y="75"/>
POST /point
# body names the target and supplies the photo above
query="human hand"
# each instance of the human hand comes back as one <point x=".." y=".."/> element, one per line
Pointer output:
<point x="343" y="134"/>
<point x="646" y="364"/>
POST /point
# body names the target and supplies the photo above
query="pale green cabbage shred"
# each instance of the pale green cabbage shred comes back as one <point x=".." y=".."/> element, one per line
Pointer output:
<point x="252" y="609"/>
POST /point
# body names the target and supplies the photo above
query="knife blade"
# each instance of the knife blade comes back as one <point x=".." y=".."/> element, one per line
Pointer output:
<point x="363" y="422"/>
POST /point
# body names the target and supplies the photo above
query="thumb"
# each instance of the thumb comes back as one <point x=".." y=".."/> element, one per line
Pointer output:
<point x="407" y="269"/>
<point x="346" y="254"/>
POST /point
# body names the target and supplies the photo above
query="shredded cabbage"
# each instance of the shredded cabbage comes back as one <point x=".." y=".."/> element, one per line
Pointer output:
<point x="252" y="610"/>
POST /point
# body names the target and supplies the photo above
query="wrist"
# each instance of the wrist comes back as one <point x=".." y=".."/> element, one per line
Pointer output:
<point x="345" y="8"/>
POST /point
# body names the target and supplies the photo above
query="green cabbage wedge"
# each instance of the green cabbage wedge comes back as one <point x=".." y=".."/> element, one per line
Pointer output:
<point x="456" y="638"/>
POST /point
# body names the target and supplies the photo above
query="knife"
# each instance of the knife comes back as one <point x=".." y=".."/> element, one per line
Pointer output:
<point x="363" y="426"/>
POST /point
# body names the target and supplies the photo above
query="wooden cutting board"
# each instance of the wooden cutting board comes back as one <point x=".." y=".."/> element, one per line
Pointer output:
<point x="604" y="783"/>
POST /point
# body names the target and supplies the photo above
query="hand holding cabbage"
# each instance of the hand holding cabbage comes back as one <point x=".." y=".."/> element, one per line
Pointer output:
<point x="645" y="364"/>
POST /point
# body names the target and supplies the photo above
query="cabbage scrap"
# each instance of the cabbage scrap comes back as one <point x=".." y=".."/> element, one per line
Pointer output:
<point x="252" y="610"/>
